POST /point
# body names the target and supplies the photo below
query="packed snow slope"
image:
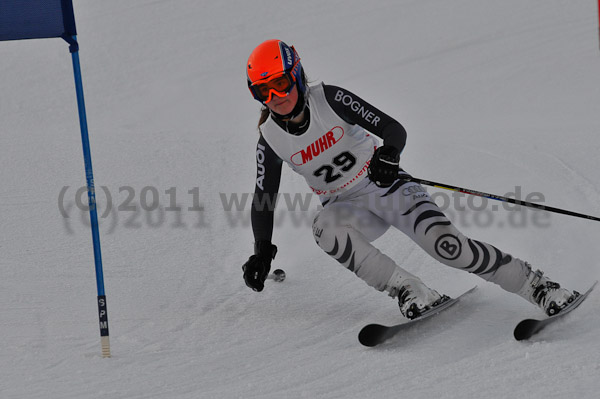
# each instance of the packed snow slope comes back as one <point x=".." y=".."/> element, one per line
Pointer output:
<point x="498" y="96"/>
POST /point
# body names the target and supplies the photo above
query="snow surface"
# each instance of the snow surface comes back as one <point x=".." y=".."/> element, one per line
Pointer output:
<point x="493" y="94"/>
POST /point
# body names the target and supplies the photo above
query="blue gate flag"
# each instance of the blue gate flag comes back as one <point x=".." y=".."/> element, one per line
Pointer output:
<point x="36" y="19"/>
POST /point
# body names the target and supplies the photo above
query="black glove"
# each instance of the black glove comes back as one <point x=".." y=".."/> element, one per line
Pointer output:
<point x="257" y="268"/>
<point x="384" y="166"/>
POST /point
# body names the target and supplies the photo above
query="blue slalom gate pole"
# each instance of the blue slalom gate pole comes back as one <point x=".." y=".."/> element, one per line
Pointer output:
<point x="89" y="175"/>
<point x="37" y="19"/>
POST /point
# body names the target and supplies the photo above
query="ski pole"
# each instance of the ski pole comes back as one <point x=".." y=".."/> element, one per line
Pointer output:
<point x="498" y="198"/>
<point x="277" y="275"/>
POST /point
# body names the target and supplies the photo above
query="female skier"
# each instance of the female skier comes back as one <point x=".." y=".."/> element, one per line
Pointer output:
<point x="326" y="134"/>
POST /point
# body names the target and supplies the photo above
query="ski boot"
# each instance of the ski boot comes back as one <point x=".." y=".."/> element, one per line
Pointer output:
<point x="548" y="295"/>
<point x="414" y="298"/>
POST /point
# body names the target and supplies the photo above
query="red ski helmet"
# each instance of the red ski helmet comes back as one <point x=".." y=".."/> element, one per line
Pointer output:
<point x="274" y="68"/>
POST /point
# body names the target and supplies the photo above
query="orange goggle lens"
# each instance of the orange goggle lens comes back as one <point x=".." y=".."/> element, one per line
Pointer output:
<point x="280" y="86"/>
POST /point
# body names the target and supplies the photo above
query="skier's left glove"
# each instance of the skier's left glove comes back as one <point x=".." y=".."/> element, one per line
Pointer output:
<point x="384" y="166"/>
<point x="257" y="268"/>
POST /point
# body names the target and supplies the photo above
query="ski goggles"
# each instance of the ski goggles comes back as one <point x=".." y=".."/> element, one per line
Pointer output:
<point x="280" y="85"/>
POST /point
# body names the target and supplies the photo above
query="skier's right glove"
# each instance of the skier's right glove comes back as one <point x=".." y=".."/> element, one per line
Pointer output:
<point x="257" y="268"/>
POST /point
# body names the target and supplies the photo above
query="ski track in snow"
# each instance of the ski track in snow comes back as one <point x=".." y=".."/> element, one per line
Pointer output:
<point x="493" y="95"/>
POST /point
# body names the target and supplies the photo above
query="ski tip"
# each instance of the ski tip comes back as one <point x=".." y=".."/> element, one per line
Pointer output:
<point x="523" y="330"/>
<point x="366" y="342"/>
<point x="370" y="335"/>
